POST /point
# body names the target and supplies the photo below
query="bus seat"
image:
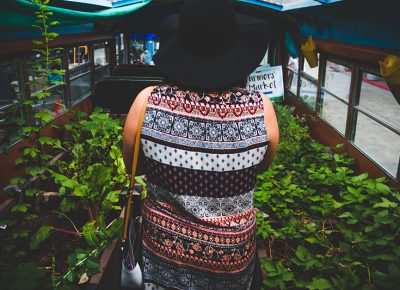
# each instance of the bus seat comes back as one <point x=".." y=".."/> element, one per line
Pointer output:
<point x="136" y="70"/>
<point x="116" y="94"/>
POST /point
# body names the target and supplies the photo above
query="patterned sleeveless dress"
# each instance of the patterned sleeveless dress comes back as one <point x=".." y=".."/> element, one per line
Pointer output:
<point x="201" y="152"/>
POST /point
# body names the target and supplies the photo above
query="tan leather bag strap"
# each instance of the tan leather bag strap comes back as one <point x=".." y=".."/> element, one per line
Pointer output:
<point x="133" y="173"/>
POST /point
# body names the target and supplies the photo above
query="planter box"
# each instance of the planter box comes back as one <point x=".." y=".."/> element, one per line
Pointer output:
<point x="109" y="277"/>
<point x="110" y="270"/>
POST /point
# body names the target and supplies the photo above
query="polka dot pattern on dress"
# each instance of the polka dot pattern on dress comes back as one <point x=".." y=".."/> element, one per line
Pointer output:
<point x="200" y="160"/>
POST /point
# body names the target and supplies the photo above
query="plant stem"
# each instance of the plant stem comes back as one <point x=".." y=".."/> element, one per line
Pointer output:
<point x="90" y="214"/>
<point x="67" y="231"/>
<point x="93" y="252"/>
<point x="60" y="213"/>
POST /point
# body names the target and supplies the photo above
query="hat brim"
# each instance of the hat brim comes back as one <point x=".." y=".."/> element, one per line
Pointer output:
<point x="224" y="69"/>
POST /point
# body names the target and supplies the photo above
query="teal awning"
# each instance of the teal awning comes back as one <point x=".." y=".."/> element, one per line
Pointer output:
<point x="20" y="13"/>
<point x="285" y="5"/>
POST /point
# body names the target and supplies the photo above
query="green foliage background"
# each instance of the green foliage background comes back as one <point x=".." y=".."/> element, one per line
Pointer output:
<point x="326" y="227"/>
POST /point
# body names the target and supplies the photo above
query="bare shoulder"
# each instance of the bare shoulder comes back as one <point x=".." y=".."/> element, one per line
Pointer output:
<point x="268" y="106"/>
<point x="270" y="118"/>
<point x="137" y="105"/>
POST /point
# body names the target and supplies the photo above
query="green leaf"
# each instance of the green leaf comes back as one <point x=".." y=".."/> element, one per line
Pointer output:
<point x="370" y="228"/>
<point x="115" y="229"/>
<point x="360" y="177"/>
<point x="70" y="277"/>
<point x="98" y="174"/>
<point x="67" y="205"/>
<point x="40" y="236"/>
<point x="302" y="253"/>
<point x="20" y="234"/>
<point x="30" y="129"/>
<point x="22" y="207"/>
<point x="31" y="151"/>
<point x="30" y="217"/>
<point x="19" y="160"/>
<point x="28" y="102"/>
<point x="113" y="196"/>
<point x="319" y="284"/>
<point x="383" y="257"/>
<point x="89" y="233"/>
<point x="33" y="170"/>
<point x="81" y="190"/>
<point x="18" y="181"/>
<point x="65" y="181"/>
<point x="42" y="94"/>
<point x="383" y="217"/>
<point x="346" y="215"/>
<point x="32" y="191"/>
<point x="312" y="240"/>
<point x="92" y="263"/>
<point x="44" y="140"/>
<point x="383" y="188"/>
<point x="393" y="270"/>
<point x="385" y="203"/>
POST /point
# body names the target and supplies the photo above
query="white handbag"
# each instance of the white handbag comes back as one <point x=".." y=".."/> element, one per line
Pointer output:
<point x="131" y="249"/>
<point x="131" y="273"/>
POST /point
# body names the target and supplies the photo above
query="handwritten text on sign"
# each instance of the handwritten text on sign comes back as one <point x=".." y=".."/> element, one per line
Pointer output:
<point x="268" y="80"/>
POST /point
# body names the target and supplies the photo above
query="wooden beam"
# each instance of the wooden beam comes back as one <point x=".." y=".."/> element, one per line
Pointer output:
<point x="17" y="46"/>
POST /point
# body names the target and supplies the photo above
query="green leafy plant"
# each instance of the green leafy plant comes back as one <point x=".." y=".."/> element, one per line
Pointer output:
<point x="35" y="155"/>
<point x="94" y="171"/>
<point x="52" y="198"/>
<point x="327" y="228"/>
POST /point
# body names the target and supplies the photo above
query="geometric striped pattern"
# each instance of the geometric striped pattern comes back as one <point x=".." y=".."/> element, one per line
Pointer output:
<point x="202" y="151"/>
<point x="204" y="207"/>
<point x="204" y="146"/>
<point x="183" y="181"/>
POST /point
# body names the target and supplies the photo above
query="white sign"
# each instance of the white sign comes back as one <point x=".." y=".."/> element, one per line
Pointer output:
<point x="267" y="80"/>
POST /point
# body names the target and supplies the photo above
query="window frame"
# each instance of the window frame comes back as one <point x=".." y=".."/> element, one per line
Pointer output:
<point x="22" y="53"/>
<point x="358" y="65"/>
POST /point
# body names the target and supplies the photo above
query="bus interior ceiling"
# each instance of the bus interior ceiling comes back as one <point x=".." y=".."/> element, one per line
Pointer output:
<point x="351" y="38"/>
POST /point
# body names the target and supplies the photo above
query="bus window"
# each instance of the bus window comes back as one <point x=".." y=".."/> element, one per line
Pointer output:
<point x="53" y="103"/>
<point x="292" y="77"/>
<point x="308" y="84"/>
<point x="311" y="72"/>
<point x="334" y="111"/>
<point x="337" y="79"/>
<point x="101" y="60"/>
<point x="335" y="91"/>
<point x="379" y="142"/>
<point x="9" y="83"/>
<point x="143" y="47"/>
<point x="121" y="51"/>
<point x="10" y="93"/>
<point x="308" y="92"/>
<point x="79" y="71"/>
<point x="377" y="130"/>
<point x="376" y="97"/>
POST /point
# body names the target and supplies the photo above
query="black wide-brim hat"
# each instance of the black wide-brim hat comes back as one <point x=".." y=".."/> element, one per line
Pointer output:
<point x="208" y="45"/>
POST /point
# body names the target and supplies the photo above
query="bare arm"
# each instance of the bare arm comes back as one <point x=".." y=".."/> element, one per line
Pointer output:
<point x="271" y="125"/>
<point x="131" y="126"/>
